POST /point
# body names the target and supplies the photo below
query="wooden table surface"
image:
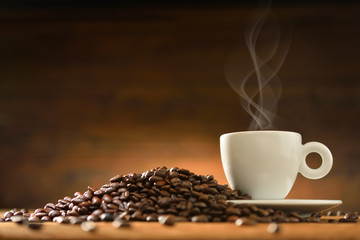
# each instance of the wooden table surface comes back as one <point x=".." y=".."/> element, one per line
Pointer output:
<point x="183" y="230"/>
<point x="145" y="230"/>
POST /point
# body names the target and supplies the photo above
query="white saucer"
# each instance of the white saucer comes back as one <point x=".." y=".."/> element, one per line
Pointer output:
<point x="297" y="205"/>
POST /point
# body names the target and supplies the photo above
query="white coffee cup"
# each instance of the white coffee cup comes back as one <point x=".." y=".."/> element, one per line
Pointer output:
<point x="265" y="164"/>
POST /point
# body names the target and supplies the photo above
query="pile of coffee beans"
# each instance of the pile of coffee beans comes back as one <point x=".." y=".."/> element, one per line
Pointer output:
<point x="160" y="194"/>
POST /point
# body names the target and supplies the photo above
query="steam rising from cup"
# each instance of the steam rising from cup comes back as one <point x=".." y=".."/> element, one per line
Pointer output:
<point x="259" y="87"/>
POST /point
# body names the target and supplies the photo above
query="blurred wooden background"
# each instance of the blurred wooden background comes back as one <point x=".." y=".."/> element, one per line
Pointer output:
<point x="91" y="91"/>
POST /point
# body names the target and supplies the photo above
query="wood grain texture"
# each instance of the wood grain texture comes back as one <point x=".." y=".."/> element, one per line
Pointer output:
<point x="87" y="93"/>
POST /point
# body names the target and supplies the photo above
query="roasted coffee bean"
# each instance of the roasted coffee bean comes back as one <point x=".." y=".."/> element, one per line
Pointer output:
<point x="263" y="212"/>
<point x="88" y="194"/>
<point x="84" y="204"/>
<point x="76" y="194"/>
<point x="273" y="228"/>
<point x="175" y="182"/>
<point x="173" y="174"/>
<point x="72" y="213"/>
<point x="97" y="212"/>
<point x="109" y="190"/>
<point x="112" y="206"/>
<point x="95" y="201"/>
<point x="99" y="193"/>
<point x="152" y="218"/>
<point x="33" y="218"/>
<point x="88" y="226"/>
<point x="211" y="191"/>
<point x="186" y="184"/>
<point x="160" y="173"/>
<point x="62" y="219"/>
<point x="167" y="220"/>
<point x="54" y="213"/>
<point x="160" y="183"/>
<point x="200" y="205"/>
<point x="183" y="190"/>
<point x="18" y="213"/>
<point x="245" y="222"/>
<point x="171" y="211"/>
<point x="164" y="202"/>
<point x="107" y="217"/>
<point x="200" y="218"/>
<point x="46" y="219"/>
<point x="125" y="195"/>
<point x="120" y="223"/>
<point x="41" y="214"/>
<point x="184" y="171"/>
<point x="49" y="205"/>
<point x="138" y="216"/>
<point x="203" y="198"/>
<point x="17" y="219"/>
<point x="106" y="198"/>
<point x="75" y="220"/>
<point x="93" y="218"/>
<point x="8" y="214"/>
<point x="155" y="179"/>
<point x="233" y="211"/>
<point x="164" y="193"/>
<point x="117" y="178"/>
<point x="183" y="177"/>
<point x="115" y="185"/>
<point x="253" y="208"/>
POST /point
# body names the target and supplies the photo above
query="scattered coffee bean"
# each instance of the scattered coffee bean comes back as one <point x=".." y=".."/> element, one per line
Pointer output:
<point x="167" y="220"/>
<point x="120" y="223"/>
<point x="88" y="226"/>
<point x="76" y="220"/>
<point x="151" y="218"/>
<point x="245" y="222"/>
<point x="273" y="228"/>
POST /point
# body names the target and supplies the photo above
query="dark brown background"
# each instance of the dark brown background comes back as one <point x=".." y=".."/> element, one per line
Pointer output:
<point x="90" y="91"/>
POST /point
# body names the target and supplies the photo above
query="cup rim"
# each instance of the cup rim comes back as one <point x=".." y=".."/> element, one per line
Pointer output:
<point x="259" y="131"/>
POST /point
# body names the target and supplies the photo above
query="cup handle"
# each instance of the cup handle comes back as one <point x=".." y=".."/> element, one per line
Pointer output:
<point x="326" y="157"/>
